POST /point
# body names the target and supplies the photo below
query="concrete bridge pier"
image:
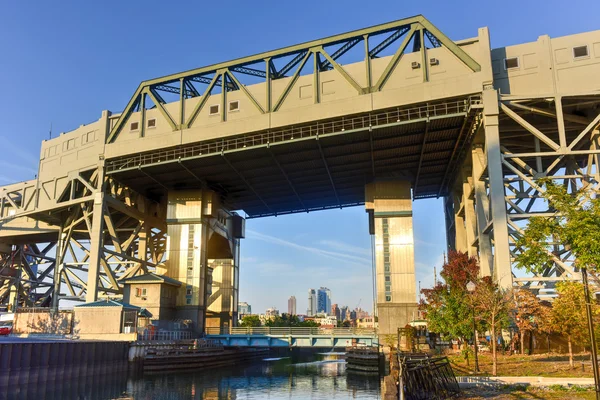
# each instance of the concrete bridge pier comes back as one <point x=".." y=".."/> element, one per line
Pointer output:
<point x="203" y="254"/>
<point x="389" y="205"/>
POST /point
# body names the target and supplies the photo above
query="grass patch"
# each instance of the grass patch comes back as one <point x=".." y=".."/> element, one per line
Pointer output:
<point x="558" y="388"/>
<point x="549" y="365"/>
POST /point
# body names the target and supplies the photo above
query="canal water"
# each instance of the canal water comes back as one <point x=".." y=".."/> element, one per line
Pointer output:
<point x="289" y="375"/>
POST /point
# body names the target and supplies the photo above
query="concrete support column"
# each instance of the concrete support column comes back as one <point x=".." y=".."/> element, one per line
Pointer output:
<point x="186" y="253"/>
<point x="502" y="266"/>
<point x="390" y="206"/>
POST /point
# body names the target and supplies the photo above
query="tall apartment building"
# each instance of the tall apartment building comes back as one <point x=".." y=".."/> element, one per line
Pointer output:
<point x="244" y="308"/>
<point x="324" y="300"/>
<point x="292" y="305"/>
<point x="312" y="303"/>
<point x="335" y="311"/>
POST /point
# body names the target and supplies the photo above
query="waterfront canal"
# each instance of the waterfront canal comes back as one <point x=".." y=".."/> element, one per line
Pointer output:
<point x="283" y="376"/>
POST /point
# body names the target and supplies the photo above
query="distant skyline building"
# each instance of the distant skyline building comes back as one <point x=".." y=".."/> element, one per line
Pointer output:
<point x="312" y="303"/>
<point x="324" y="300"/>
<point x="344" y="313"/>
<point x="292" y="305"/>
<point x="244" y="308"/>
<point x="272" y="312"/>
<point x="335" y="311"/>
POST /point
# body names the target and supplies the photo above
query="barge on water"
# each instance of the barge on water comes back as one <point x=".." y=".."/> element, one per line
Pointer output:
<point x="364" y="359"/>
<point x="189" y="355"/>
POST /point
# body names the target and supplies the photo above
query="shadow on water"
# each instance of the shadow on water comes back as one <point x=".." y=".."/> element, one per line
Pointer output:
<point x="283" y="375"/>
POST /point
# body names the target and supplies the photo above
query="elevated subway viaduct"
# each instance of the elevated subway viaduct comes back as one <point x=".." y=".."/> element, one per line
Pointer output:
<point x="380" y="116"/>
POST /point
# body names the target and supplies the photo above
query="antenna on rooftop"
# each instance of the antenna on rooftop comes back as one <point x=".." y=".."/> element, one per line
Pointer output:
<point x="50" y="133"/>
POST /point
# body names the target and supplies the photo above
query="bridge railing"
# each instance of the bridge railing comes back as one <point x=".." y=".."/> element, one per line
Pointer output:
<point x="147" y="335"/>
<point x="311" y="130"/>
<point x="291" y="331"/>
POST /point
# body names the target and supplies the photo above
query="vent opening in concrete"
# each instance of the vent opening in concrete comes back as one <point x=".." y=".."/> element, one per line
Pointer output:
<point x="511" y="63"/>
<point x="580" y="51"/>
<point x="234" y="105"/>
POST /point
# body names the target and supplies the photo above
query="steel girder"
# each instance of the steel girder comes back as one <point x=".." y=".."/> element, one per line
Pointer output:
<point x="107" y="232"/>
<point x="264" y="66"/>
<point x="24" y="279"/>
<point x="538" y="137"/>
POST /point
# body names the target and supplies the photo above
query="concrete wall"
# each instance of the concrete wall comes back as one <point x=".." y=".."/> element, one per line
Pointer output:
<point x="549" y="65"/>
<point x="97" y="320"/>
<point x="392" y="316"/>
<point x="43" y="323"/>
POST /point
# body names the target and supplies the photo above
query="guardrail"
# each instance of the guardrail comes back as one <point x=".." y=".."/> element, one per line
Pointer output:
<point x="147" y="335"/>
<point x="292" y="331"/>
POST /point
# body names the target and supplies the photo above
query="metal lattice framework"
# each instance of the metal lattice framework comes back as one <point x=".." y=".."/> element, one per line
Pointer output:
<point x="269" y="66"/>
<point x="106" y="232"/>
<point x="554" y="137"/>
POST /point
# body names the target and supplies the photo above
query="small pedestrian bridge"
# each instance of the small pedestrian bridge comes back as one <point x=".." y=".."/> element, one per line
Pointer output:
<point x="293" y="337"/>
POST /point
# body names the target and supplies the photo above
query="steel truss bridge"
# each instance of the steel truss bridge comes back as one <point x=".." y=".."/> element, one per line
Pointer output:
<point x="294" y="337"/>
<point x="304" y="128"/>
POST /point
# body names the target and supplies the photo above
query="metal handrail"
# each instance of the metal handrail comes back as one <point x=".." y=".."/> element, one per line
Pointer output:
<point x="148" y="335"/>
<point x="291" y="331"/>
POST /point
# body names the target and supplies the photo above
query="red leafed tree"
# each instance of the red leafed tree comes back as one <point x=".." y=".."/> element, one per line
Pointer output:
<point x="528" y="314"/>
<point x="446" y="306"/>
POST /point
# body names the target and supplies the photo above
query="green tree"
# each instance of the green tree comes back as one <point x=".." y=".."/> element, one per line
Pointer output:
<point x="493" y="306"/>
<point x="444" y="305"/>
<point x="575" y="225"/>
<point x="529" y="314"/>
<point x="250" y="320"/>
<point x="287" y="320"/>
<point x="568" y="313"/>
<point x="309" y="324"/>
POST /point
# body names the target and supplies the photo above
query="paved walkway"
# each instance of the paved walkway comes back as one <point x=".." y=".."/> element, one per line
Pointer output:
<point x="471" y="381"/>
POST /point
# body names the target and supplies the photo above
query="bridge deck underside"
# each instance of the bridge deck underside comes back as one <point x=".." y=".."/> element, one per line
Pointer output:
<point x="315" y="172"/>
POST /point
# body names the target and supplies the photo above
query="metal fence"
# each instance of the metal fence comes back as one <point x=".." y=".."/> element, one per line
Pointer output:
<point x="426" y="378"/>
<point x="292" y="331"/>
<point x="147" y="335"/>
<point x="21" y="310"/>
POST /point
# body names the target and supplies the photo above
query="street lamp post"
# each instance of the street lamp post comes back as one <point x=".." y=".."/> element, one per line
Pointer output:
<point x="590" y="321"/>
<point x="471" y="289"/>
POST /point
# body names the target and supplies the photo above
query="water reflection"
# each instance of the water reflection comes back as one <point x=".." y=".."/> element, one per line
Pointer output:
<point x="296" y="376"/>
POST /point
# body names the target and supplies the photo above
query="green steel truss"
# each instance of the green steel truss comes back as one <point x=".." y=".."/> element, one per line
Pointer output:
<point x="263" y="67"/>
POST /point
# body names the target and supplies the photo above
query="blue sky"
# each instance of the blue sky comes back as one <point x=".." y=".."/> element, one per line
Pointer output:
<point x="62" y="63"/>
